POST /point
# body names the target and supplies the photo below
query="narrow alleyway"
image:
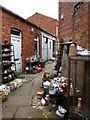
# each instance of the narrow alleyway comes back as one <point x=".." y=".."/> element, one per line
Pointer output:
<point x="19" y="102"/>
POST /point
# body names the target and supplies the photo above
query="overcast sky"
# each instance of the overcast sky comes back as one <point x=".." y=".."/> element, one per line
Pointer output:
<point x="26" y="8"/>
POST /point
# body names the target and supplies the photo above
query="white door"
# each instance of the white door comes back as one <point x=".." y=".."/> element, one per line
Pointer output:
<point x="50" y="49"/>
<point x="16" y="41"/>
<point x="45" y="49"/>
<point x="36" y="45"/>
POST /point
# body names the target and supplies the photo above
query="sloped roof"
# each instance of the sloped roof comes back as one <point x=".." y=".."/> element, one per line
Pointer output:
<point x="25" y="20"/>
<point x="47" y="23"/>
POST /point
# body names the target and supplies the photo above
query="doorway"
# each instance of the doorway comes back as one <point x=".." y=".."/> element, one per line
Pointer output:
<point x="16" y="41"/>
<point x="36" y="46"/>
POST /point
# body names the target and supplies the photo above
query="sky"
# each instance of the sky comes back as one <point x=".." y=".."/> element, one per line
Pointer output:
<point x="26" y="8"/>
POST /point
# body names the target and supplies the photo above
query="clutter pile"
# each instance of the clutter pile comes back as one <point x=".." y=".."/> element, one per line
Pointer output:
<point x="34" y="65"/>
<point x="56" y="85"/>
<point x="52" y="89"/>
<point x="5" y="89"/>
<point x="61" y="112"/>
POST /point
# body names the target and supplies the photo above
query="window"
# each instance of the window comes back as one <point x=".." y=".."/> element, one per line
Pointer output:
<point x="46" y="40"/>
<point x="50" y="45"/>
<point x="77" y="7"/>
<point x="35" y="37"/>
<point x="15" y="32"/>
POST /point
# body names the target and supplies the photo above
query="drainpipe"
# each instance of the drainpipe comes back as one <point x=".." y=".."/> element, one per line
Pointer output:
<point x="47" y="47"/>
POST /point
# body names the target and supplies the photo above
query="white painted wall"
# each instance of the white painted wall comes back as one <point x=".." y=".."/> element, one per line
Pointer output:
<point x="47" y="47"/>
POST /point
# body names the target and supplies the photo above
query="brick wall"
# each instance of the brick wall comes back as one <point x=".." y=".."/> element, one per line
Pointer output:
<point x="74" y="27"/>
<point x="89" y="26"/>
<point x="65" y="24"/>
<point x="77" y="28"/>
<point x="11" y="21"/>
<point x="0" y="24"/>
<point x="80" y="26"/>
<point x="47" y="23"/>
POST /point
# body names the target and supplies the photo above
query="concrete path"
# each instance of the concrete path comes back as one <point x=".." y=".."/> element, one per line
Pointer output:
<point x="18" y="104"/>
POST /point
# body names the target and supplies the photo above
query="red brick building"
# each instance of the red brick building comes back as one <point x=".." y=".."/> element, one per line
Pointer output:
<point x="74" y="22"/>
<point x="47" y="23"/>
<point x="13" y="26"/>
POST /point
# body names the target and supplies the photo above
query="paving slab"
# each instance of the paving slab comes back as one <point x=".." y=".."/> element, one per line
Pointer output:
<point x="23" y="90"/>
<point x="0" y="109"/>
<point x="8" y="112"/>
<point x="28" y="112"/>
<point x="18" y="101"/>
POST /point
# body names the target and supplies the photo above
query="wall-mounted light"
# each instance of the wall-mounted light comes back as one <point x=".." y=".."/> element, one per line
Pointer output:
<point x="62" y="16"/>
<point x="32" y="29"/>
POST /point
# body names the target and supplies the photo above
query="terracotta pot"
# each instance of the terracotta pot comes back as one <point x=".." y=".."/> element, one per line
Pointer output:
<point x="40" y="94"/>
<point x="79" y="103"/>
